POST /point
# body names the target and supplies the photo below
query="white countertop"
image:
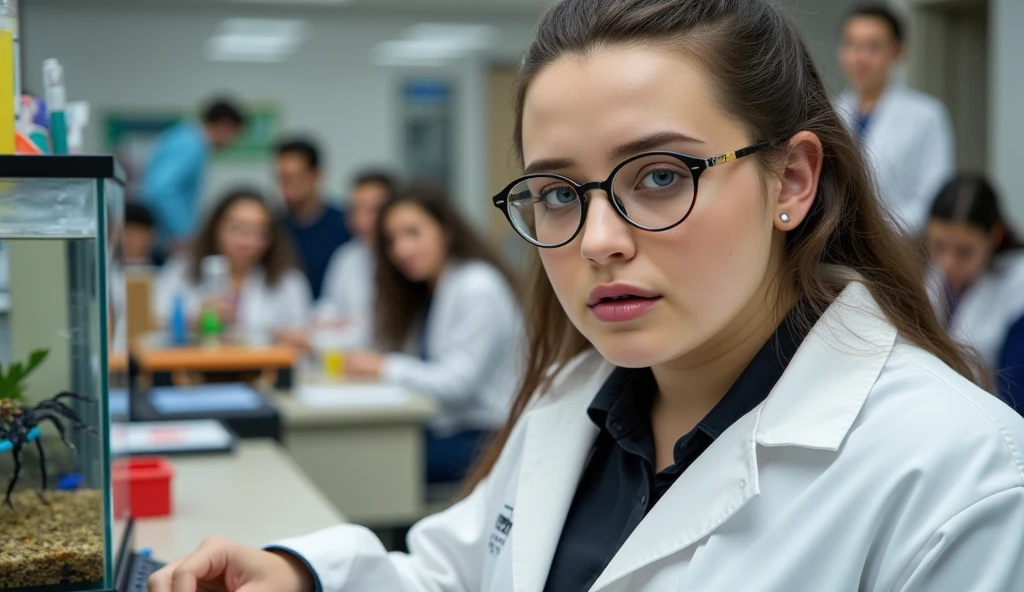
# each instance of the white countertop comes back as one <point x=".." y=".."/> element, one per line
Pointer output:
<point x="255" y="496"/>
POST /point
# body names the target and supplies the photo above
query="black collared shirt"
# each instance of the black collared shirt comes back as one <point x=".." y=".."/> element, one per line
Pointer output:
<point x="619" y="485"/>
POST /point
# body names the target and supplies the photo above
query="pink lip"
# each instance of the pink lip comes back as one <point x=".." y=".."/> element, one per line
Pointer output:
<point x="619" y="303"/>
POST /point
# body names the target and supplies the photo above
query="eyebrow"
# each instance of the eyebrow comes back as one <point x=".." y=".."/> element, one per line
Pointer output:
<point x="649" y="143"/>
<point x="622" y="152"/>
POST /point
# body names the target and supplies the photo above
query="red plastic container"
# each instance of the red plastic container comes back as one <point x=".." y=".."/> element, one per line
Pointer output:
<point x="148" y="483"/>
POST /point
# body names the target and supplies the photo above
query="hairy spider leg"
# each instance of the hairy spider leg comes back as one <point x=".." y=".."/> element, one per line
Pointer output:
<point x="37" y="416"/>
<point x="75" y="396"/>
<point x="42" y="469"/>
<point x="17" y="473"/>
<point x="62" y="409"/>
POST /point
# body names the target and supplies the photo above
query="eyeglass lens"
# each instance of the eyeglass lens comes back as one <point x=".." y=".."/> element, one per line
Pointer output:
<point x="653" y="192"/>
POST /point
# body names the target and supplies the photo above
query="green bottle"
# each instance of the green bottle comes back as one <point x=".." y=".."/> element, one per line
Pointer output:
<point x="210" y="327"/>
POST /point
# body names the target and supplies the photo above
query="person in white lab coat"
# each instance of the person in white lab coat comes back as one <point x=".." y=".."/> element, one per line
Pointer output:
<point x="906" y="136"/>
<point x="347" y="300"/>
<point x="981" y="265"/>
<point x="446" y="325"/>
<point x="735" y="379"/>
<point x="267" y="296"/>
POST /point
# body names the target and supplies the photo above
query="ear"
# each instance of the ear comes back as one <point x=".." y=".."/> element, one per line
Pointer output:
<point x="799" y="180"/>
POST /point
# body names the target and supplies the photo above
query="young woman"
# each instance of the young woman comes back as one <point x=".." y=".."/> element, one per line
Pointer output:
<point x="735" y="381"/>
<point x="447" y="325"/>
<point x="267" y="295"/>
<point x="981" y="263"/>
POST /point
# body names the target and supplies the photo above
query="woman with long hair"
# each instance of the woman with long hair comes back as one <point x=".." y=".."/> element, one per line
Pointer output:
<point x="265" y="295"/>
<point x="980" y="262"/>
<point x="735" y="378"/>
<point x="446" y="324"/>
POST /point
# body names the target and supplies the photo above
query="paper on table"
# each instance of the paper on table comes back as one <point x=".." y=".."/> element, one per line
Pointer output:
<point x="207" y="398"/>
<point x="352" y="395"/>
<point x="169" y="436"/>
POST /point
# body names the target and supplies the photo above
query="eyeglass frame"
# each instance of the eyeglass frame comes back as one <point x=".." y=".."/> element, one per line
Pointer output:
<point x="696" y="166"/>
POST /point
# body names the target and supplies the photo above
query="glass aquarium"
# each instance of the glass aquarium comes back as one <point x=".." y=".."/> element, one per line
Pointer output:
<point x="62" y="330"/>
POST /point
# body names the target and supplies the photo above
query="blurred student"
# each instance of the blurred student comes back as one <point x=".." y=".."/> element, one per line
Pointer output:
<point x="447" y="322"/>
<point x="173" y="181"/>
<point x="267" y="295"/>
<point x="139" y="235"/>
<point x="317" y="228"/>
<point x="347" y="298"/>
<point x="982" y="264"/>
<point x="906" y="136"/>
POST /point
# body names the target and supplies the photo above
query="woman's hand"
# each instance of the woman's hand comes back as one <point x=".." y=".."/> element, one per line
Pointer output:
<point x="225" y="566"/>
<point x="297" y="338"/>
<point x="224" y="307"/>
<point x="363" y="364"/>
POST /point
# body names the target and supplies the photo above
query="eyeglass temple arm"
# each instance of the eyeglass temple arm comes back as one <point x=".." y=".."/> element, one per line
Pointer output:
<point x="731" y="156"/>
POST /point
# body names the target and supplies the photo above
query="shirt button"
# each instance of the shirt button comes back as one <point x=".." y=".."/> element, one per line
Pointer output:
<point x="743" y="484"/>
<point x="616" y="427"/>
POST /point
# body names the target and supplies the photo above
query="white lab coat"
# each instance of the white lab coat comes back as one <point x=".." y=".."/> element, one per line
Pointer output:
<point x="473" y="344"/>
<point x="871" y="466"/>
<point x="263" y="309"/>
<point x="348" y="291"/>
<point x="990" y="307"/>
<point x="909" y="147"/>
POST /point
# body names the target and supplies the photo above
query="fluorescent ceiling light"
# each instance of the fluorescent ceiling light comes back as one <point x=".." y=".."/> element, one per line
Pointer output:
<point x="469" y="37"/>
<point x="432" y="44"/>
<point x="295" y="2"/>
<point x="256" y="40"/>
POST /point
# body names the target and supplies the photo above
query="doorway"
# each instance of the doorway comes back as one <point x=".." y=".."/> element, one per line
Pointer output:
<point x="951" y="58"/>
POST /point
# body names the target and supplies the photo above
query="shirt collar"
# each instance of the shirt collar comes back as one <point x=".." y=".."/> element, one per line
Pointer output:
<point x="622" y="406"/>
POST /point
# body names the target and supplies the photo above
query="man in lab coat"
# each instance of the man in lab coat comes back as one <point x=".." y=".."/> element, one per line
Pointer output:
<point x="906" y="136"/>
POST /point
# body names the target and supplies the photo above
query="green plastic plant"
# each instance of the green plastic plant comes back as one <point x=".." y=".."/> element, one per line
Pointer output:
<point x="12" y="377"/>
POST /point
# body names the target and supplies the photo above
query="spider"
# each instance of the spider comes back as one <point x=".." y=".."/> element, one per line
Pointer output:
<point x="17" y="422"/>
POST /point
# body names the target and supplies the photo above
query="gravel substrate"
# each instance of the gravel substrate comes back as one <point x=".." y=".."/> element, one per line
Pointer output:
<point x="61" y="543"/>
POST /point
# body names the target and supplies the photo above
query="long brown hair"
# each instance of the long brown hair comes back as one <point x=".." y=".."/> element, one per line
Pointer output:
<point x="401" y="303"/>
<point x="762" y="71"/>
<point x="279" y="256"/>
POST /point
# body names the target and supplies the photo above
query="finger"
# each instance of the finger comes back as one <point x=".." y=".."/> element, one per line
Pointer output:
<point x="208" y="562"/>
<point x="160" y="580"/>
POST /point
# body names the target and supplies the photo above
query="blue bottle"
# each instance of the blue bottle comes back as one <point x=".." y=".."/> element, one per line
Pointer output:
<point x="179" y="322"/>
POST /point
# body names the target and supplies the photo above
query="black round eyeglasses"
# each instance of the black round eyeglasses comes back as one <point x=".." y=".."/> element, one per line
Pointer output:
<point x="653" y="191"/>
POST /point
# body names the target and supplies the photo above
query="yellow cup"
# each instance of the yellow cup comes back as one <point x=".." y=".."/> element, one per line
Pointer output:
<point x="333" y="364"/>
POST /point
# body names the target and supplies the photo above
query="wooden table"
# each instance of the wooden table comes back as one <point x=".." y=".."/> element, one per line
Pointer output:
<point x="154" y="355"/>
<point x="368" y="461"/>
<point x="254" y="496"/>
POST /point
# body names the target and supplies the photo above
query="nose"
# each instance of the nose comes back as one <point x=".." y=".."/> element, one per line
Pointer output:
<point x="607" y="238"/>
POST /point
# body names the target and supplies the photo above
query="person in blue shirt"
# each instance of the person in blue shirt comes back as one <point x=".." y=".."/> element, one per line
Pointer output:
<point x="174" y="178"/>
<point x="981" y="263"/>
<point x="317" y="227"/>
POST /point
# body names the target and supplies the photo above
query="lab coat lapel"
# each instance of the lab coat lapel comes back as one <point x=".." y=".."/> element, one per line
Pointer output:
<point x="884" y="117"/>
<point x="842" y="358"/>
<point x="558" y="440"/>
<point x="716" y="486"/>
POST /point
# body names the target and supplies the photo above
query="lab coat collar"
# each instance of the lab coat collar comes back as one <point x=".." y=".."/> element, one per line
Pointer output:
<point x="813" y="405"/>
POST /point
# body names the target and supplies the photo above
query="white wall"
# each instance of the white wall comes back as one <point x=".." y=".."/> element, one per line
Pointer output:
<point x="1006" y="90"/>
<point x="150" y="58"/>
<point x="1006" y="87"/>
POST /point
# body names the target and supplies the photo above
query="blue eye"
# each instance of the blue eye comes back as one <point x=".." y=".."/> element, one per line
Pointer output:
<point x="558" y="197"/>
<point x="659" y="179"/>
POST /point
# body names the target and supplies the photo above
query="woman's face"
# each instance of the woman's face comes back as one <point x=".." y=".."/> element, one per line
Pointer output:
<point x="416" y="242"/>
<point x="704" y="282"/>
<point x="244" y="234"/>
<point x="960" y="251"/>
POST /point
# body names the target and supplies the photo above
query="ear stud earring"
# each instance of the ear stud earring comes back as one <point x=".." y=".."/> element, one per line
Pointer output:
<point x="784" y="217"/>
